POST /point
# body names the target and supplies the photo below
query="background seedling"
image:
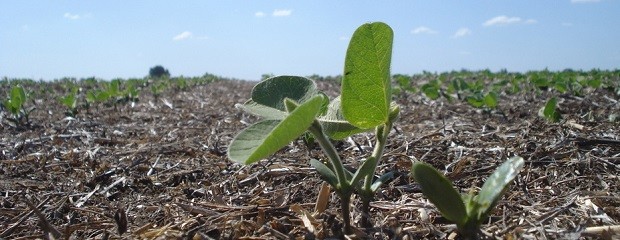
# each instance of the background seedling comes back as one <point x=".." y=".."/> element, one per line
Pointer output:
<point x="70" y="101"/>
<point x="403" y="85"/>
<point x="431" y="89"/>
<point x="468" y="211"/>
<point x="291" y="105"/>
<point x="550" y="111"/>
<point x="15" y="105"/>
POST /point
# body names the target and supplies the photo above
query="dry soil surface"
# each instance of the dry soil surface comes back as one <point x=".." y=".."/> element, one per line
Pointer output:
<point x="158" y="170"/>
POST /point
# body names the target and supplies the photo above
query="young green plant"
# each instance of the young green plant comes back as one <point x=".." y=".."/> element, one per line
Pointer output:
<point x="550" y="111"/>
<point x="15" y="105"/>
<point x="291" y="106"/>
<point x="467" y="211"/>
<point x="70" y="101"/>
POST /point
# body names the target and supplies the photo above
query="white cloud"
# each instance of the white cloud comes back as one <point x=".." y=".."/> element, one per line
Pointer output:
<point x="584" y="1"/>
<point x="282" y="12"/>
<point x="462" y="32"/>
<point x="72" y="16"/>
<point x="502" y="20"/>
<point x="259" y="14"/>
<point x="423" y="30"/>
<point x="182" y="36"/>
<point x="530" y="21"/>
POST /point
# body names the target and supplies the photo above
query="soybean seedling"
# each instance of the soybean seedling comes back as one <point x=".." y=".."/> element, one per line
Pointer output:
<point x="15" y="105"/>
<point x="550" y="111"/>
<point x="467" y="211"/>
<point x="291" y="106"/>
<point x="70" y="101"/>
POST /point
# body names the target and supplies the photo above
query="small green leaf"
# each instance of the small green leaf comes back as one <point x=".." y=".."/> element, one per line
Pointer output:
<point x="113" y="89"/>
<point x="470" y="204"/>
<point x="380" y="181"/>
<point x="328" y="174"/>
<point x="334" y="124"/>
<point x="291" y="105"/>
<point x="496" y="185"/>
<point x="394" y="112"/>
<point x="539" y="81"/>
<point x="366" y="85"/>
<point x="404" y="82"/>
<point x="440" y="192"/>
<point x="18" y="96"/>
<point x="594" y="83"/>
<point x="490" y="100"/>
<point x="12" y="109"/>
<point x="69" y="101"/>
<point x="16" y="100"/>
<point x="102" y="96"/>
<point x="475" y="101"/>
<point x="561" y="85"/>
<point x="430" y="90"/>
<point x="90" y="97"/>
<point x="266" y="137"/>
<point x="550" y="111"/>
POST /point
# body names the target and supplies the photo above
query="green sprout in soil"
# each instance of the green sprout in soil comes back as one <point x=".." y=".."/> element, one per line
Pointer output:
<point x="403" y="85"/>
<point x="70" y="101"/>
<point x="158" y="87"/>
<point x="432" y="89"/>
<point x="291" y="106"/>
<point x="467" y="211"/>
<point x="15" y="105"/>
<point x="97" y="96"/>
<point x="550" y="111"/>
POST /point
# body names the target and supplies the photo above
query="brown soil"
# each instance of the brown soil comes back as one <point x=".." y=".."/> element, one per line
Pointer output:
<point x="159" y="170"/>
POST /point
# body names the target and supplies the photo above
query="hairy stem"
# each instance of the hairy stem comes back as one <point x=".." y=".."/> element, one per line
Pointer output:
<point x="367" y="194"/>
<point x="345" y="202"/>
<point x="330" y="151"/>
<point x="344" y="189"/>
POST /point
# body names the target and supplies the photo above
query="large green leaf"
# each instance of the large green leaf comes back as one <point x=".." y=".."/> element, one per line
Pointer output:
<point x="272" y="92"/>
<point x="366" y="87"/>
<point x="334" y="124"/>
<point x="496" y="185"/>
<point x="440" y="192"/>
<point x="266" y="137"/>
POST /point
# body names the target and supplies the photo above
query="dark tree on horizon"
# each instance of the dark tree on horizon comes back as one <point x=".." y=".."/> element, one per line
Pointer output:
<point x="158" y="72"/>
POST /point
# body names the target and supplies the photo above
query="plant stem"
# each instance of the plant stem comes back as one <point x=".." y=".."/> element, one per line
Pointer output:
<point x="470" y="230"/>
<point x="345" y="202"/>
<point x="377" y="152"/>
<point x="365" y="221"/>
<point x="344" y="189"/>
<point x="367" y="194"/>
<point x="331" y="153"/>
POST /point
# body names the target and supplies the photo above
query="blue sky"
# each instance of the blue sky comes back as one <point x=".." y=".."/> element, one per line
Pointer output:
<point x="244" y="39"/>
